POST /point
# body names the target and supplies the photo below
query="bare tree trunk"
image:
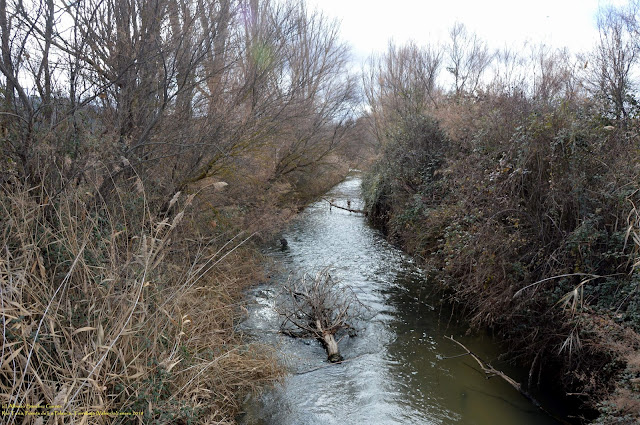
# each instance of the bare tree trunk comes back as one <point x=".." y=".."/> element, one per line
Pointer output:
<point x="183" y="44"/>
<point x="44" y="66"/>
<point x="124" y="62"/>
<point x="330" y="343"/>
<point x="331" y="346"/>
<point x="6" y="52"/>
<point x="217" y="53"/>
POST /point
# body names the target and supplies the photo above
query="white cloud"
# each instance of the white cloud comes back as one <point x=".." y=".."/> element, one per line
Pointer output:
<point x="369" y="24"/>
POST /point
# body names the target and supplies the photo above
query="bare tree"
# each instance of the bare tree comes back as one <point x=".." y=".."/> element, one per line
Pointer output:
<point x="190" y="86"/>
<point x="318" y="307"/>
<point x="319" y="90"/>
<point x="469" y="57"/>
<point x="401" y="82"/>
<point x="509" y="73"/>
<point x="5" y="49"/>
<point x="554" y="75"/>
<point x="614" y="60"/>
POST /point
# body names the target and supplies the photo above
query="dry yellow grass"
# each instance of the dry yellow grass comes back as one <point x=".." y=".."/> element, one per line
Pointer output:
<point x="103" y="311"/>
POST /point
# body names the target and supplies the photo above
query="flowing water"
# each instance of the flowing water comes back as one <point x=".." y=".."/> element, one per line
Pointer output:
<point x="399" y="368"/>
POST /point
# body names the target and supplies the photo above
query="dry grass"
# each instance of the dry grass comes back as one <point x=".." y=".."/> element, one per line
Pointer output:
<point x="113" y="309"/>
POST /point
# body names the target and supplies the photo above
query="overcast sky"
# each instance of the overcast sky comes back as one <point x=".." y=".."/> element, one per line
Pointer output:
<point x="368" y="25"/>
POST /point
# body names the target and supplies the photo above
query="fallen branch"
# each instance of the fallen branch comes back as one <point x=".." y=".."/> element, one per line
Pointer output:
<point x="490" y="372"/>
<point x="345" y="208"/>
<point x="318" y="307"/>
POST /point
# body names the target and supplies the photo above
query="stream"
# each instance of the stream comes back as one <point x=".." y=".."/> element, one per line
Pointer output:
<point x="398" y="369"/>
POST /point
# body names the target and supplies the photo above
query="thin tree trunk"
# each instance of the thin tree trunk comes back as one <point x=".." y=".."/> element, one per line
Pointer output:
<point x="6" y="52"/>
<point x="330" y="344"/>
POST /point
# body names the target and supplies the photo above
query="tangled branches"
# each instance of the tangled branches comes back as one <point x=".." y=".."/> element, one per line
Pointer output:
<point x="318" y="307"/>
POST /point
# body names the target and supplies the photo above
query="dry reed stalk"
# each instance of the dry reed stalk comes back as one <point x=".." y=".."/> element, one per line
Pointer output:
<point x="101" y="313"/>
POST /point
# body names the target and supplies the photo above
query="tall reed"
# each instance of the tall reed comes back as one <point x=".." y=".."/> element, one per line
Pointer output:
<point x="108" y="308"/>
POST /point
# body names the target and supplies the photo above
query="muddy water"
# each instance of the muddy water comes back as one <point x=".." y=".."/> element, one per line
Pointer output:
<point x="399" y="369"/>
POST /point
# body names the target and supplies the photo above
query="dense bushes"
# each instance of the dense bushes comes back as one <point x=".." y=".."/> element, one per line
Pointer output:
<point x="525" y="220"/>
<point x="410" y="159"/>
<point x="515" y="181"/>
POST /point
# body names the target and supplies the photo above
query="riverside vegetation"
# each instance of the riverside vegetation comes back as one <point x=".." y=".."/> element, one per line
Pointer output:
<point x="148" y="148"/>
<point x="518" y="190"/>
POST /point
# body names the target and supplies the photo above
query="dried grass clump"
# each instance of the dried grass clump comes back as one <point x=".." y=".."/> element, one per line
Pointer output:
<point x="110" y="309"/>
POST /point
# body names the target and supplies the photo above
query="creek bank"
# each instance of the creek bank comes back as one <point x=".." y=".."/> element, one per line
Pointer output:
<point x="479" y="258"/>
<point x="396" y="370"/>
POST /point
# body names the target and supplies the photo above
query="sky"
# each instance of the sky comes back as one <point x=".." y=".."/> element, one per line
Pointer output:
<point x="368" y="25"/>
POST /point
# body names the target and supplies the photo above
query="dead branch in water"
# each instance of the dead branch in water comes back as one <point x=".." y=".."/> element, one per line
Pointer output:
<point x="490" y="372"/>
<point x="318" y="307"/>
<point x="345" y="208"/>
